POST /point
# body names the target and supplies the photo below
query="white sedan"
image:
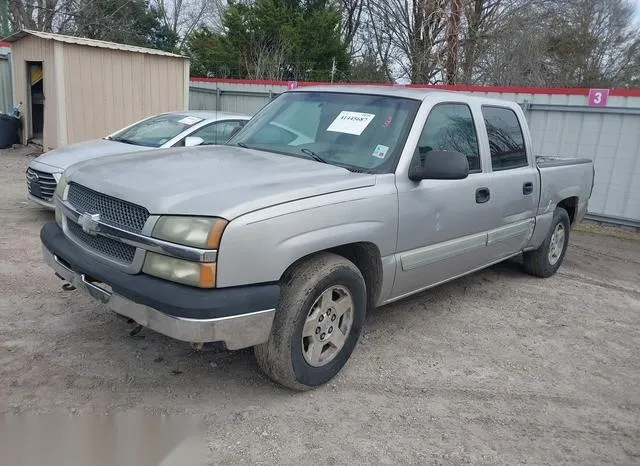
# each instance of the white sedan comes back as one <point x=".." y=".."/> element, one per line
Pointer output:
<point x="174" y="129"/>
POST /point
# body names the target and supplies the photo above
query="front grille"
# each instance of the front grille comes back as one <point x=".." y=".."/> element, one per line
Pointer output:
<point x="113" y="211"/>
<point x="106" y="246"/>
<point x="40" y="184"/>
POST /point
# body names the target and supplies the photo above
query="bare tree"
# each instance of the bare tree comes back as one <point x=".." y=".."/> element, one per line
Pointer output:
<point x="453" y="42"/>
<point x="184" y="16"/>
<point x="352" y="15"/>
<point x="264" y="59"/>
<point x="415" y="31"/>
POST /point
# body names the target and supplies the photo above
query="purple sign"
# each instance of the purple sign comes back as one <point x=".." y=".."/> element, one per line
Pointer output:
<point x="292" y="84"/>
<point x="598" y="97"/>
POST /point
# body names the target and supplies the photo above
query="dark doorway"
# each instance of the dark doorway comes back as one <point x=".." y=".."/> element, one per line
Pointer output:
<point x="35" y="86"/>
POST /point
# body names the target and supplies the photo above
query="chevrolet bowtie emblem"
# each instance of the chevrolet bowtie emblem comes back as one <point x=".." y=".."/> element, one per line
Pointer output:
<point x="90" y="223"/>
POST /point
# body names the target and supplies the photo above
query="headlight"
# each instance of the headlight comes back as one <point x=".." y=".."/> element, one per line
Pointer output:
<point x="199" y="232"/>
<point x="61" y="187"/>
<point x="201" y="275"/>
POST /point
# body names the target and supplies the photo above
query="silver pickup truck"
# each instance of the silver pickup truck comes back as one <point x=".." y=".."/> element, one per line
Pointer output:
<point x="329" y="202"/>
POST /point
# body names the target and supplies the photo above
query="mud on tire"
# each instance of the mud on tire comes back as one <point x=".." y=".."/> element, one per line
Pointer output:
<point x="319" y="297"/>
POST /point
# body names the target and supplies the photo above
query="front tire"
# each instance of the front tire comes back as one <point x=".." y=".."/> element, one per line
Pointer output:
<point x="317" y="324"/>
<point x="546" y="260"/>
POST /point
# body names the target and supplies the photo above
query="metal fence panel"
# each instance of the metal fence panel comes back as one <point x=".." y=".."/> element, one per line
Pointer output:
<point x="561" y="125"/>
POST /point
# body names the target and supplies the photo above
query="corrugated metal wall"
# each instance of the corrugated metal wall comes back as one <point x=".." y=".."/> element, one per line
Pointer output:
<point x="6" y="95"/>
<point x="562" y="125"/>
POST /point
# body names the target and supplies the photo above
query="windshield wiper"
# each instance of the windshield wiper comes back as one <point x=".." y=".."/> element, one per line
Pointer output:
<point x="127" y="141"/>
<point x="313" y="155"/>
<point x="242" y="144"/>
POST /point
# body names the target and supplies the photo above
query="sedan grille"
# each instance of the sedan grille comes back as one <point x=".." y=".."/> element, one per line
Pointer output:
<point x="113" y="211"/>
<point x="40" y="184"/>
<point x="107" y="247"/>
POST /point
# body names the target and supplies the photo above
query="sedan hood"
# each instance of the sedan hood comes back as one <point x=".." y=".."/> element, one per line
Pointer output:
<point x="65" y="156"/>
<point x="222" y="181"/>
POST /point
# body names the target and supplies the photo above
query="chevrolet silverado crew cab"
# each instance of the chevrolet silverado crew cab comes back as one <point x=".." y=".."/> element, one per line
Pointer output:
<point x="329" y="202"/>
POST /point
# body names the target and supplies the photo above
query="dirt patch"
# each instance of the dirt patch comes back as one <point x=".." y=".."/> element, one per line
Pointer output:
<point x="497" y="367"/>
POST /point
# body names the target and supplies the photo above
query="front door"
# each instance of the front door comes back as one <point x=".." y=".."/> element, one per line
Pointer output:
<point x="443" y="224"/>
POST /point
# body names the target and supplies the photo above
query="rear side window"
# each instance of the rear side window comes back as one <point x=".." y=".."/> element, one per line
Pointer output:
<point x="505" y="138"/>
<point x="450" y="127"/>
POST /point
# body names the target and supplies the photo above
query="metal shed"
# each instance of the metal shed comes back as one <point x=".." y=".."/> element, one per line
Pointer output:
<point x="73" y="89"/>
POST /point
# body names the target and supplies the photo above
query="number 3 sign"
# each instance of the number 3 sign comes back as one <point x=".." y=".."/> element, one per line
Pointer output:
<point x="598" y="97"/>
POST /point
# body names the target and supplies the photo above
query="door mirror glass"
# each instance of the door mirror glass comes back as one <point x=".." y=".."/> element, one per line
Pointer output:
<point x="191" y="141"/>
<point x="438" y="165"/>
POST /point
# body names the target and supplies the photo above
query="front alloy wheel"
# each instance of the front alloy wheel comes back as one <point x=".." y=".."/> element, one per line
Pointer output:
<point x="327" y="326"/>
<point x="317" y="323"/>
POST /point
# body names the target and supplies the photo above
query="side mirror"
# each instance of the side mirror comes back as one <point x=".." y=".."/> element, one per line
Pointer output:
<point x="439" y="165"/>
<point x="191" y="141"/>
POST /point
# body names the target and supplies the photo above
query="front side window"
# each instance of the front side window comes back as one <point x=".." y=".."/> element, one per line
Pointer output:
<point x="155" y="131"/>
<point x="505" y="138"/>
<point x="450" y="127"/>
<point x="356" y="131"/>
<point x="218" y="133"/>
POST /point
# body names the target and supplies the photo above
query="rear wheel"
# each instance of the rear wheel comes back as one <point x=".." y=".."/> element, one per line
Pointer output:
<point x="546" y="260"/>
<point x="317" y="324"/>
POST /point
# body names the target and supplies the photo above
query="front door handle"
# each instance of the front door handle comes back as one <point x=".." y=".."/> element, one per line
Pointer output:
<point x="527" y="188"/>
<point x="482" y="195"/>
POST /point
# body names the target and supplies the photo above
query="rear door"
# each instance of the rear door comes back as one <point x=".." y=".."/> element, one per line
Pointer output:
<point x="514" y="180"/>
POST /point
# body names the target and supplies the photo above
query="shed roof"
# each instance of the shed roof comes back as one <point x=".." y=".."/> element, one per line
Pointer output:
<point x="88" y="42"/>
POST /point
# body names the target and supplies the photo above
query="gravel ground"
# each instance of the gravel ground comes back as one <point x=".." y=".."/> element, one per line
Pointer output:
<point x="495" y="368"/>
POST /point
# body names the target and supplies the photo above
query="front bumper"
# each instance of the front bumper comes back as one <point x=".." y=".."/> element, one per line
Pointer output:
<point x="239" y="317"/>
<point x="41" y="202"/>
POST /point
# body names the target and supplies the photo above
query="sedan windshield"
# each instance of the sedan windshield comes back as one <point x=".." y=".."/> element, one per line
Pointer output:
<point x="356" y="131"/>
<point x="156" y="130"/>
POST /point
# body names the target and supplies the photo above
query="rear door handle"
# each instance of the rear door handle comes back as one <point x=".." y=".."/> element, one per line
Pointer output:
<point x="482" y="195"/>
<point x="527" y="188"/>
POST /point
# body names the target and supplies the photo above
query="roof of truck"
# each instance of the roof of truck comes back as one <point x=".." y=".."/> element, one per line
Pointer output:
<point x="400" y="91"/>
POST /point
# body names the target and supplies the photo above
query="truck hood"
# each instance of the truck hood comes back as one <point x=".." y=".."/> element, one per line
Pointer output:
<point x="65" y="156"/>
<point x="222" y="181"/>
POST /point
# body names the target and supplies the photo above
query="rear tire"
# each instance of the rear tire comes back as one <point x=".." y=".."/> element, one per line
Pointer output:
<point x="546" y="260"/>
<point x="317" y="324"/>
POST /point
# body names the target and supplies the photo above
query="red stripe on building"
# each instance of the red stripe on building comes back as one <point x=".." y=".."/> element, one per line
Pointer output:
<point x="460" y="88"/>
<point x="5" y="44"/>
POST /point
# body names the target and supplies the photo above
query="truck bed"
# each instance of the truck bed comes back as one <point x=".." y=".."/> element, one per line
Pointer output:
<point x="564" y="178"/>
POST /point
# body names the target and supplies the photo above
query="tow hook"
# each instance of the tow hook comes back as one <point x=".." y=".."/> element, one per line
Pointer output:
<point x="68" y="287"/>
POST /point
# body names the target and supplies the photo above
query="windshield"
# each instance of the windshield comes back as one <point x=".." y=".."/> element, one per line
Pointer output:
<point x="359" y="132"/>
<point x="156" y="130"/>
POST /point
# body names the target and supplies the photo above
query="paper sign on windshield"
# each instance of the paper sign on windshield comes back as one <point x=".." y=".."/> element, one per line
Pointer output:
<point x="351" y="122"/>
<point x="190" y="120"/>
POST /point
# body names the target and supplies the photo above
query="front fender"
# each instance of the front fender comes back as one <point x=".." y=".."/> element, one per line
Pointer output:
<point x="259" y="247"/>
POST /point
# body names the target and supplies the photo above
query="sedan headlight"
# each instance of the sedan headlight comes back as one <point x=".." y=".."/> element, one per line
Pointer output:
<point x="61" y="187"/>
<point x="201" y="275"/>
<point x="199" y="232"/>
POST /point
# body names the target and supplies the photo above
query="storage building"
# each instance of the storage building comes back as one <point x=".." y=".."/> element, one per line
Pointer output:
<point x="73" y="89"/>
